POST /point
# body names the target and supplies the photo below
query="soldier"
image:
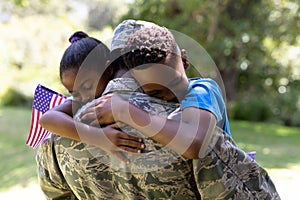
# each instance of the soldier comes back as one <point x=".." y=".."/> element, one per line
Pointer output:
<point x="222" y="169"/>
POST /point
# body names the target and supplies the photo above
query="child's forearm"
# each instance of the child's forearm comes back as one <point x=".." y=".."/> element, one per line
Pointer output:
<point x="185" y="137"/>
<point x="59" y="120"/>
<point x="108" y="138"/>
<point x="61" y="124"/>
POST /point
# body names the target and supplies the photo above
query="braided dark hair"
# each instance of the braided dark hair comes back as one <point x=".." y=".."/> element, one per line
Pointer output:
<point x="149" y="45"/>
<point x="81" y="46"/>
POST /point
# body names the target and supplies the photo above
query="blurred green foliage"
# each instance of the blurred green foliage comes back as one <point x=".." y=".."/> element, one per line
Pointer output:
<point x="251" y="108"/>
<point x="257" y="51"/>
<point x="13" y="97"/>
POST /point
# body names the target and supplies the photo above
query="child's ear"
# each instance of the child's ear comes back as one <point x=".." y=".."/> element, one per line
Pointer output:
<point x="185" y="59"/>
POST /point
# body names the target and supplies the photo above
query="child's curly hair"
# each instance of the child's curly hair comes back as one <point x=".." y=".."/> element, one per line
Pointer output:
<point x="149" y="45"/>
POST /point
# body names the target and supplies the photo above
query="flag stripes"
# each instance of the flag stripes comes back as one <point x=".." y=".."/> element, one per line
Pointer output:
<point x="44" y="99"/>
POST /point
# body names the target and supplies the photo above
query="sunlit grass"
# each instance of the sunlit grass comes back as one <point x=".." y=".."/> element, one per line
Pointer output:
<point x="276" y="146"/>
<point x="17" y="159"/>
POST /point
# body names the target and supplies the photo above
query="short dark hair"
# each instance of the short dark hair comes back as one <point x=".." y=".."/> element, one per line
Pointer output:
<point x="81" y="46"/>
<point x="149" y="45"/>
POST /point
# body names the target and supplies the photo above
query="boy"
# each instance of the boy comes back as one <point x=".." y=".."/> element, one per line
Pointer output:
<point x="161" y="73"/>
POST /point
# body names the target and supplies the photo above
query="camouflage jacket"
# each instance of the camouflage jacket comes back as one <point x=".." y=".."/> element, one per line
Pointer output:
<point x="227" y="172"/>
<point x="73" y="170"/>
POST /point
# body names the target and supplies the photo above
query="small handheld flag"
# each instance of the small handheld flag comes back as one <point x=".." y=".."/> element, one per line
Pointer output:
<point x="44" y="99"/>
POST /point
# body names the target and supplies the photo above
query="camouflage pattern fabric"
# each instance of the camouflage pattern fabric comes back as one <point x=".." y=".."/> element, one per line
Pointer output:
<point x="67" y="170"/>
<point x="51" y="179"/>
<point x="227" y="172"/>
<point x="72" y="170"/>
<point x="88" y="172"/>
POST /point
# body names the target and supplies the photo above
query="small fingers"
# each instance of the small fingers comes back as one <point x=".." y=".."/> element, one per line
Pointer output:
<point x="128" y="137"/>
<point x="130" y="149"/>
<point x="135" y="146"/>
<point x="107" y="96"/>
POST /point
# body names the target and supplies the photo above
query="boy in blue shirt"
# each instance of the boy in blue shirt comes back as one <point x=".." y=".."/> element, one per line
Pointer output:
<point x="161" y="73"/>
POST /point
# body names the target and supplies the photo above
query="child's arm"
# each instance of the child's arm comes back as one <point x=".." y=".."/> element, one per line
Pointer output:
<point x="189" y="137"/>
<point x="59" y="121"/>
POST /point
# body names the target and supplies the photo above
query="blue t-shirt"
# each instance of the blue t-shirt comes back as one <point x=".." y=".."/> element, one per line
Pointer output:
<point x="205" y="94"/>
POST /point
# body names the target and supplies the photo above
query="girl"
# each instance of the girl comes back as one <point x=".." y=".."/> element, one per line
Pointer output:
<point x="69" y="169"/>
<point x="84" y="74"/>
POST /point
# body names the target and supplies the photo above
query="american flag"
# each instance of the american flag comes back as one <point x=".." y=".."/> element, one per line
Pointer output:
<point x="44" y="99"/>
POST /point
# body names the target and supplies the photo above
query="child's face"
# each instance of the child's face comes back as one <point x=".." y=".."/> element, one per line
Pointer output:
<point x="84" y="86"/>
<point x="166" y="80"/>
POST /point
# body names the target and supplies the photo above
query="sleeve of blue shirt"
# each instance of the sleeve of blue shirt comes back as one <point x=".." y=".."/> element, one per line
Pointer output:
<point x="204" y="94"/>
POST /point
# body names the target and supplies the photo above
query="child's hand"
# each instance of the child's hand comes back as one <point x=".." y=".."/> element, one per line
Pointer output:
<point x="104" y="112"/>
<point x="120" y="142"/>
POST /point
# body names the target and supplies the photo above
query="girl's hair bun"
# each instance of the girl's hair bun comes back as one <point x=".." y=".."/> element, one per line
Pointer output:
<point x="77" y="36"/>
